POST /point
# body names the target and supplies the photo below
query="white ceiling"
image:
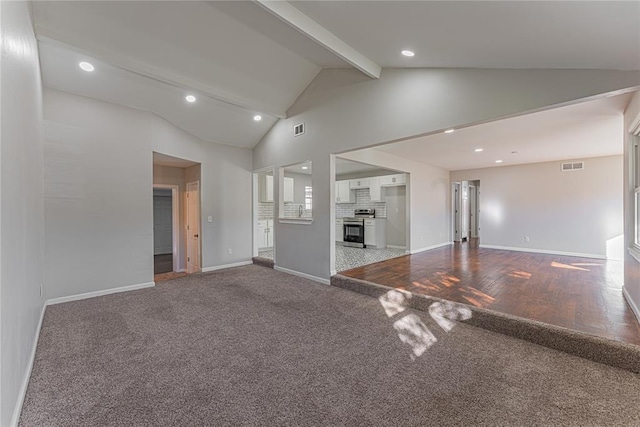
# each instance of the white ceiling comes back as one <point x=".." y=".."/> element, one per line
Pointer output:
<point x="486" y="34"/>
<point x="244" y="58"/>
<point x="588" y="129"/>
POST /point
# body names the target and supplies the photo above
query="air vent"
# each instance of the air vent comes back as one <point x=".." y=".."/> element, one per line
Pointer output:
<point x="576" y="166"/>
<point x="298" y="129"/>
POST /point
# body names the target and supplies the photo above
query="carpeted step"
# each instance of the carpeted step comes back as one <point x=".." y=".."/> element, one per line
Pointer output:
<point x="609" y="352"/>
<point x="264" y="262"/>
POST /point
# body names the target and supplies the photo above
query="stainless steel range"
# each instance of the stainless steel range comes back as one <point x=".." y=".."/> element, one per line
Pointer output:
<point x="354" y="227"/>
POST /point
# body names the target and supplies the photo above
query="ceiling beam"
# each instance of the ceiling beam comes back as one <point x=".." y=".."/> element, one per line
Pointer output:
<point x="145" y="69"/>
<point x="316" y="32"/>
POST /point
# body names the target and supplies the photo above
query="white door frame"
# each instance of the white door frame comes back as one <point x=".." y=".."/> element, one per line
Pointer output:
<point x="455" y="199"/>
<point x="256" y="200"/>
<point x="199" y="221"/>
<point x="175" y="221"/>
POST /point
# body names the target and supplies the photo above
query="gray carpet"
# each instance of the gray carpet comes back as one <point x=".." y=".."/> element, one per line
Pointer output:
<point x="254" y="346"/>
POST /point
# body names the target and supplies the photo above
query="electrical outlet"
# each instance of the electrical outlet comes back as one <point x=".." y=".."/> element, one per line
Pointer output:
<point x="229" y="251"/>
<point x="209" y="218"/>
<point x="526" y="238"/>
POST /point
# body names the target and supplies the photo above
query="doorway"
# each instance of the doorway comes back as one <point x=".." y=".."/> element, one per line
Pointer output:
<point x="172" y="174"/>
<point x="263" y="214"/>
<point x="165" y="228"/>
<point x="465" y="206"/>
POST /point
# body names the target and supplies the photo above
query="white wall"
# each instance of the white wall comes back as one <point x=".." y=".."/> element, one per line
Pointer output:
<point x="344" y="110"/>
<point x="98" y="198"/>
<point x="577" y="212"/>
<point x="22" y="212"/>
<point x="631" y="265"/>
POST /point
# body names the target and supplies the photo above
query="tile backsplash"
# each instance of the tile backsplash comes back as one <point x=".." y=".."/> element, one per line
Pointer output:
<point x="292" y="210"/>
<point x="265" y="210"/>
<point x="363" y="201"/>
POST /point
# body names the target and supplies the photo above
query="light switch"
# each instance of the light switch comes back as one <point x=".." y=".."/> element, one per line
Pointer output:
<point x="209" y="218"/>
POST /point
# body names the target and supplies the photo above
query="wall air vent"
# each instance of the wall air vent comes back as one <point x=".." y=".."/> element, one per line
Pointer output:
<point x="298" y="129"/>
<point x="575" y="166"/>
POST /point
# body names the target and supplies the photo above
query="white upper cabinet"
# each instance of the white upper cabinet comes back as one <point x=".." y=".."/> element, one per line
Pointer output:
<point x="391" y="180"/>
<point x="375" y="191"/>
<point x="359" y="183"/>
<point x="288" y="189"/>
<point x="265" y="188"/>
<point x="344" y="194"/>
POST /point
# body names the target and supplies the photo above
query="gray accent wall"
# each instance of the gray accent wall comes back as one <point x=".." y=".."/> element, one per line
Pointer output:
<point x="344" y="110"/>
<point x="577" y="212"/>
<point x="22" y="210"/>
<point x="98" y="199"/>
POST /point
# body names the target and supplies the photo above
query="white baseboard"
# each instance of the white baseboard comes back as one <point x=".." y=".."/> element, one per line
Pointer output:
<point x="17" y="409"/>
<point x="304" y="275"/>
<point x="182" y="270"/>
<point x="543" y="251"/>
<point x="100" y="293"/>
<point x="632" y="303"/>
<point x="334" y="272"/>
<point x="396" y="247"/>
<point x="222" y="267"/>
<point x="428" y="248"/>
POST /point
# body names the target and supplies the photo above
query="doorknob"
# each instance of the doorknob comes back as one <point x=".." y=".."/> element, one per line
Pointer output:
<point x="195" y="235"/>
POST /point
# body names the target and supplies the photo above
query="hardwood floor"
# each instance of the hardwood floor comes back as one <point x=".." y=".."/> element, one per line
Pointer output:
<point x="583" y="294"/>
<point x="162" y="263"/>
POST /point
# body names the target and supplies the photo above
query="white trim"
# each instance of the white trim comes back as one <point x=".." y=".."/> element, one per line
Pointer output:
<point x="175" y="221"/>
<point x="17" y="409"/>
<point x="334" y="272"/>
<point x="304" y="275"/>
<point x="396" y="247"/>
<point x="428" y="248"/>
<point x="634" y="251"/>
<point x="100" y="293"/>
<point x="222" y="267"/>
<point x="303" y="221"/>
<point x="631" y="303"/>
<point x="544" y="251"/>
<point x="182" y="270"/>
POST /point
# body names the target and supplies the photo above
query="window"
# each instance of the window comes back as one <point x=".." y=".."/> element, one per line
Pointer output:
<point x="308" y="197"/>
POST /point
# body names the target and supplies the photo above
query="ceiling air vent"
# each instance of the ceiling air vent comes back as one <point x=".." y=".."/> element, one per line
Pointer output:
<point x="298" y="129"/>
<point x="576" y="166"/>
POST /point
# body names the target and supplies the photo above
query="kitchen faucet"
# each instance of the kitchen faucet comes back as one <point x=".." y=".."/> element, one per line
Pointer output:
<point x="299" y="211"/>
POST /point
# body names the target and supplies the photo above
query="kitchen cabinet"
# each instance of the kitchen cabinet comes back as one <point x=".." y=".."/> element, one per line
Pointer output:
<point x="375" y="191"/>
<point x="265" y="233"/>
<point x="288" y="189"/>
<point x="339" y="230"/>
<point x="344" y="193"/>
<point x="391" y="180"/>
<point x="375" y="232"/>
<point x="354" y="184"/>
<point x="265" y="188"/>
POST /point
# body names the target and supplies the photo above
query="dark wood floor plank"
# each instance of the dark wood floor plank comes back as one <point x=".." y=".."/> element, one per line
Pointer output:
<point x="577" y="293"/>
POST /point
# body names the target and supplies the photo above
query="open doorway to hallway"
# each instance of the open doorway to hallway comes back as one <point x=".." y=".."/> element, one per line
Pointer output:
<point x="176" y="213"/>
<point x="465" y="211"/>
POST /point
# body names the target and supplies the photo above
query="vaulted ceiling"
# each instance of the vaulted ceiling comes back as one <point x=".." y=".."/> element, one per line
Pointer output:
<point x="242" y="58"/>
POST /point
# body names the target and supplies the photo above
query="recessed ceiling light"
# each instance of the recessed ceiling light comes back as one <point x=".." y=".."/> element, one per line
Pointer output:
<point x="408" y="53"/>
<point x="190" y="98"/>
<point x="477" y="150"/>
<point x="86" y="66"/>
<point x="257" y="117"/>
<point x="498" y="161"/>
<point x="449" y="131"/>
<point x="305" y="167"/>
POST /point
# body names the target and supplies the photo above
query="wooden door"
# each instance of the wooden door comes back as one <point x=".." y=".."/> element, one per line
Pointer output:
<point x="193" y="227"/>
